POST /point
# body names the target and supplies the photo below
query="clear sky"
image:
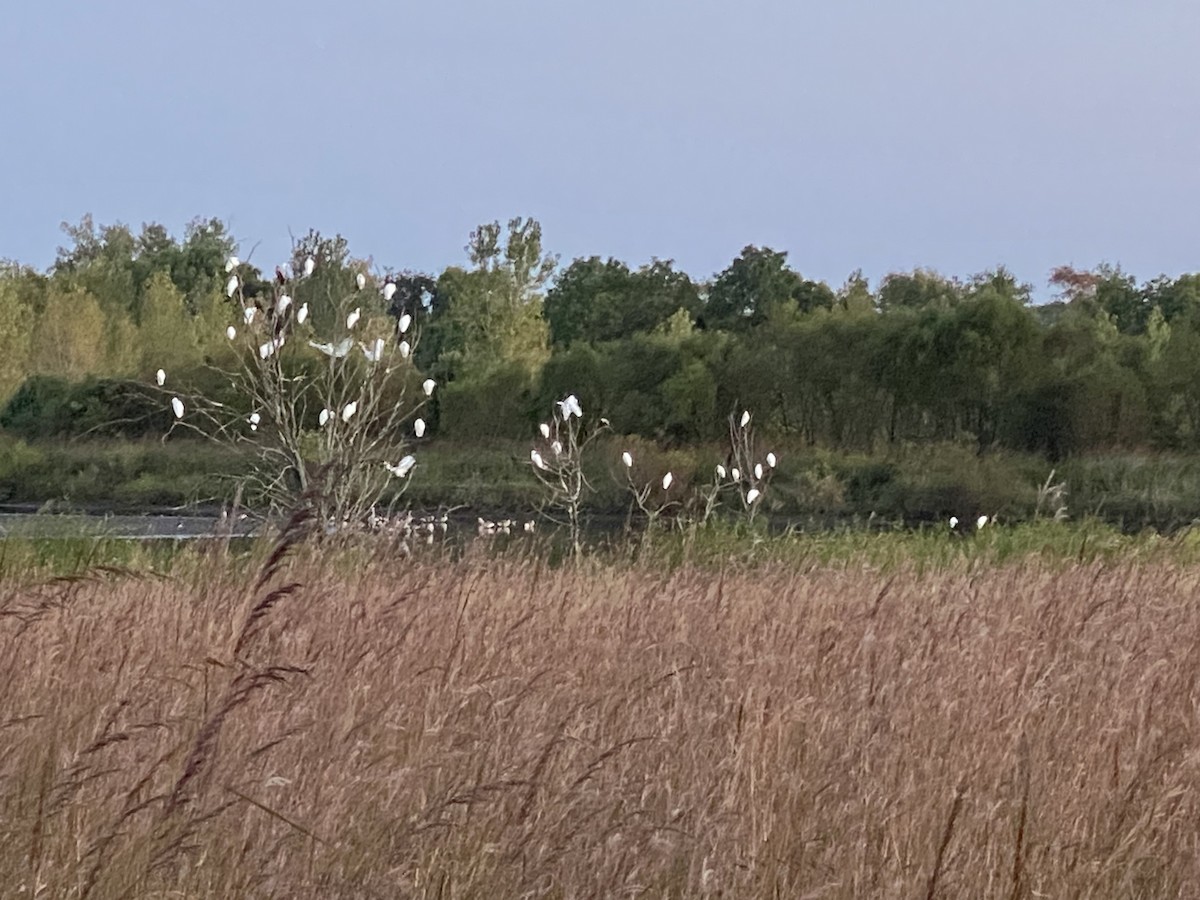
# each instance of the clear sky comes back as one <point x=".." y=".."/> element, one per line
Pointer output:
<point x="955" y="134"/>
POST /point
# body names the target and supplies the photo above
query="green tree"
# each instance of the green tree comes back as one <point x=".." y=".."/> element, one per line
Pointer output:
<point x="167" y="334"/>
<point x="16" y="316"/>
<point x="603" y="300"/>
<point x="69" y="336"/>
<point x="919" y="289"/>
<point x="491" y="314"/>
<point x="743" y="295"/>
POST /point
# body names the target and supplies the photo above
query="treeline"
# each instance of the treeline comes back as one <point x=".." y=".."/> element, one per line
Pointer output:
<point x="1113" y="363"/>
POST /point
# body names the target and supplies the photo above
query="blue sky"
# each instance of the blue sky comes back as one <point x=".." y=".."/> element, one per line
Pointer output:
<point x="952" y="134"/>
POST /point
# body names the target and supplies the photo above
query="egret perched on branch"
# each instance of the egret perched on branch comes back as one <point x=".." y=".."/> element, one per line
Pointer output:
<point x="161" y="377"/>
<point x="758" y="471"/>
<point x="177" y="407"/>
<point x="360" y="281"/>
<point x="309" y="265"/>
<point x="405" y="349"/>
<point x="352" y="319"/>
<point x="323" y="418"/>
<point x="401" y="468"/>
<point x="337" y="351"/>
<point x="231" y="286"/>
<point x="752" y="495"/>
<point x="231" y="332"/>
<point x="232" y="263"/>
<point x="302" y="313"/>
<point x="537" y="459"/>
<point x="349" y="410"/>
<point x="570" y="407"/>
<point x="427" y="386"/>
<point x="249" y="313"/>
<point x="667" y="479"/>
<point x="389" y="291"/>
<point x="283" y="303"/>
<point x="254" y="419"/>
<point x="771" y="460"/>
<point x="374" y="352"/>
<point x="405" y="321"/>
<point x="720" y="471"/>
<point x="745" y="418"/>
<point x="419" y="428"/>
<point x="627" y="458"/>
<point x="545" y="430"/>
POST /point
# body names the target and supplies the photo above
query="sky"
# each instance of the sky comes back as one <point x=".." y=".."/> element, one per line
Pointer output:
<point x="951" y="134"/>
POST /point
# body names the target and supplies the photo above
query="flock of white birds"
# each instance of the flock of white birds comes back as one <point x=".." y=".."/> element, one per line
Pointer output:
<point x="373" y="351"/>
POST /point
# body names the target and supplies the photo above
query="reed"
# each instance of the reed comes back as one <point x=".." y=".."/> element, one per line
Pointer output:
<point x="499" y="727"/>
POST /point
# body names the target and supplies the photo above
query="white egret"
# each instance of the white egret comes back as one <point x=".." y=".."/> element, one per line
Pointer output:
<point x="537" y="459"/>
<point x="557" y="448"/>
<point x="248" y="314"/>
<point x="758" y="470"/>
<point x="255" y="418"/>
<point x="231" y="285"/>
<point x="302" y="313"/>
<point x="401" y="468"/>
<point x="667" y="479"/>
<point x="427" y="386"/>
<point x="309" y="265"/>
<point x="771" y="460"/>
<point x="337" y="351"/>
<point x="981" y="521"/>
<point x="232" y="263"/>
<point x="284" y="302"/>
<point x="352" y="319"/>
<point x="323" y="418"/>
<point x="265" y="350"/>
<point x="161" y="377"/>
<point x="720" y="471"/>
<point x="360" y="280"/>
<point x="177" y="407"/>
<point x="752" y="495"/>
<point x="745" y="418"/>
<point x="389" y="291"/>
<point x="570" y="407"/>
<point x="405" y="321"/>
<point x="349" y="410"/>
<point x="545" y="430"/>
<point x="419" y="428"/>
<point x="231" y="332"/>
<point x="627" y="458"/>
<point x="405" y="349"/>
<point x="736" y="474"/>
<point x="374" y="352"/>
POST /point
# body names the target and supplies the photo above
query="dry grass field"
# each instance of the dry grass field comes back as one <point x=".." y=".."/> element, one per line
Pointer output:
<point x="366" y="727"/>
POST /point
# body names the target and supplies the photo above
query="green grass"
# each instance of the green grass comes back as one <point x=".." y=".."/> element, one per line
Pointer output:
<point x="822" y="488"/>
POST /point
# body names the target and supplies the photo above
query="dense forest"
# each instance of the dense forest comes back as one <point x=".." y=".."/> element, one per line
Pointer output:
<point x="1111" y="363"/>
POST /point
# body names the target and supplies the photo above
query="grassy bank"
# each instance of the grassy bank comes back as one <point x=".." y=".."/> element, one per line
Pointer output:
<point x="811" y="487"/>
<point x="490" y="727"/>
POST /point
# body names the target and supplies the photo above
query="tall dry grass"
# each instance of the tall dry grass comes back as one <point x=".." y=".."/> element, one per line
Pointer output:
<point x="497" y="728"/>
